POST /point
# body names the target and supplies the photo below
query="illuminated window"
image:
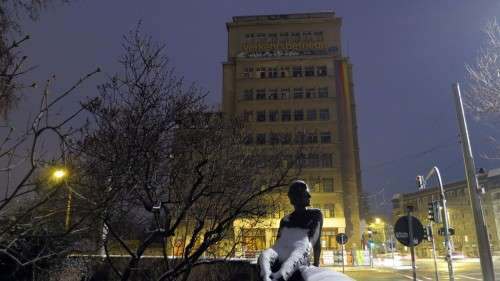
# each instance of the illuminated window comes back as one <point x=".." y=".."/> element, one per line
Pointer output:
<point x="326" y="160"/>
<point x="313" y="160"/>
<point x="327" y="185"/>
<point x="329" y="211"/>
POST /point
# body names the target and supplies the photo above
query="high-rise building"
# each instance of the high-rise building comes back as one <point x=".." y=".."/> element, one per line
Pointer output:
<point x="286" y="76"/>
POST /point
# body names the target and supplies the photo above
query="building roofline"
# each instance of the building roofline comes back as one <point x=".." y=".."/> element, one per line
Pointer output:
<point x="294" y="16"/>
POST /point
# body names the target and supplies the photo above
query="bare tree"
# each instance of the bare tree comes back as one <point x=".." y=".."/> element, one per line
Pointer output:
<point x="164" y="161"/>
<point x="484" y="94"/>
<point x="13" y="62"/>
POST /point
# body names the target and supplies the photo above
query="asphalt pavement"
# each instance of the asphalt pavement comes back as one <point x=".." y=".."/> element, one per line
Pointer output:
<point x="465" y="270"/>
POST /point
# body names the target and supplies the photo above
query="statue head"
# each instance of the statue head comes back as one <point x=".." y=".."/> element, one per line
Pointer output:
<point x="298" y="193"/>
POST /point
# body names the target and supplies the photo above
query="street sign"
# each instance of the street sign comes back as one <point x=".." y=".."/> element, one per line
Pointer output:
<point x="402" y="233"/>
<point x="341" y="238"/>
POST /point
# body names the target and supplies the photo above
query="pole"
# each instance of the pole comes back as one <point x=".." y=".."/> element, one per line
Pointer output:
<point x="446" y="222"/>
<point x="342" y="257"/>
<point x="412" y="247"/>
<point x="370" y="253"/>
<point x="434" y="252"/>
<point x="474" y="192"/>
<point x="392" y="249"/>
<point x="68" y="211"/>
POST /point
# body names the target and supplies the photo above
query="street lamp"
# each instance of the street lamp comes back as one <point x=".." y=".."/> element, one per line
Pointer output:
<point x="58" y="175"/>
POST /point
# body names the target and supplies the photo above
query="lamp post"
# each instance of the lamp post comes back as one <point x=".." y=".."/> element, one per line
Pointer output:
<point x="58" y="175"/>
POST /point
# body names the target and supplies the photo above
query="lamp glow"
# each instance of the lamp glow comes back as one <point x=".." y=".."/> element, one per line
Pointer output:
<point x="59" y="174"/>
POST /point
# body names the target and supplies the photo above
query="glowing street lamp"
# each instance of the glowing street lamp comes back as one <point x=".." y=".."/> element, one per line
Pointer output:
<point x="58" y="175"/>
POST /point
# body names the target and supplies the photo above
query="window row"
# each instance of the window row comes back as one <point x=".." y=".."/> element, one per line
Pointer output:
<point x="284" y="93"/>
<point x="262" y="72"/>
<point x="321" y="185"/>
<point x="286" y="138"/>
<point x="287" y="115"/>
<point x="283" y="36"/>
<point x="328" y="210"/>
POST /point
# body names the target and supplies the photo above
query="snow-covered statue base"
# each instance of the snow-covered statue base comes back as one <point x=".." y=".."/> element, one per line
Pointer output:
<point x="298" y="236"/>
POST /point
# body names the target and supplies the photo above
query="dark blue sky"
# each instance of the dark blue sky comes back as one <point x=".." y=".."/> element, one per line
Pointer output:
<point x="405" y="54"/>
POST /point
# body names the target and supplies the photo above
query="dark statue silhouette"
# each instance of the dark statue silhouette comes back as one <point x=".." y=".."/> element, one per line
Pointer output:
<point x="298" y="234"/>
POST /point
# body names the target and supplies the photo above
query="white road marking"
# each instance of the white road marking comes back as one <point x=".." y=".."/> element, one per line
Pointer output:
<point x="468" y="277"/>
<point x="410" y="277"/>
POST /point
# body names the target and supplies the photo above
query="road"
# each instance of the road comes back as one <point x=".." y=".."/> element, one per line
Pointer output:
<point x="465" y="270"/>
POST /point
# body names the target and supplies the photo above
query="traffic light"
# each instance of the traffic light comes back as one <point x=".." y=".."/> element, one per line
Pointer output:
<point x="420" y="182"/>
<point x="430" y="211"/>
<point x="434" y="212"/>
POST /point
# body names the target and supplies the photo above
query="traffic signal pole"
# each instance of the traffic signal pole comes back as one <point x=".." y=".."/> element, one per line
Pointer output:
<point x="433" y="251"/>
<point x="474" y="191"/>
<point x="409" y="209"/>
<point x="447" y="236"/>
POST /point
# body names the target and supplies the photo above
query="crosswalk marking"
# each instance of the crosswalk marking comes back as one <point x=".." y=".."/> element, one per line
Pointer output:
<point x="468" y="277"/>
<point x="411" y="277"/>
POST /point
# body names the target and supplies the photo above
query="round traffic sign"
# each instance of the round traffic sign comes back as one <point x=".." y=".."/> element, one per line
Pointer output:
<point x="341" y="238"/>
<point x="401" y="231"/>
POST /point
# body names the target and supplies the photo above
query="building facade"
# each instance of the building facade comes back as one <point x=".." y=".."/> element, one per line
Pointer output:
<point x="286" y="77"/>
<point x="460" y="214"/>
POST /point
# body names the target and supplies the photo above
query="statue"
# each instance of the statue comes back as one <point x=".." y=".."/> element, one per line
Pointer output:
<point x="298" y="234"/>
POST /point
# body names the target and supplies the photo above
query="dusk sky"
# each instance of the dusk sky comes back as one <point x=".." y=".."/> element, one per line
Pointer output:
<point x="406" y="54"/>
